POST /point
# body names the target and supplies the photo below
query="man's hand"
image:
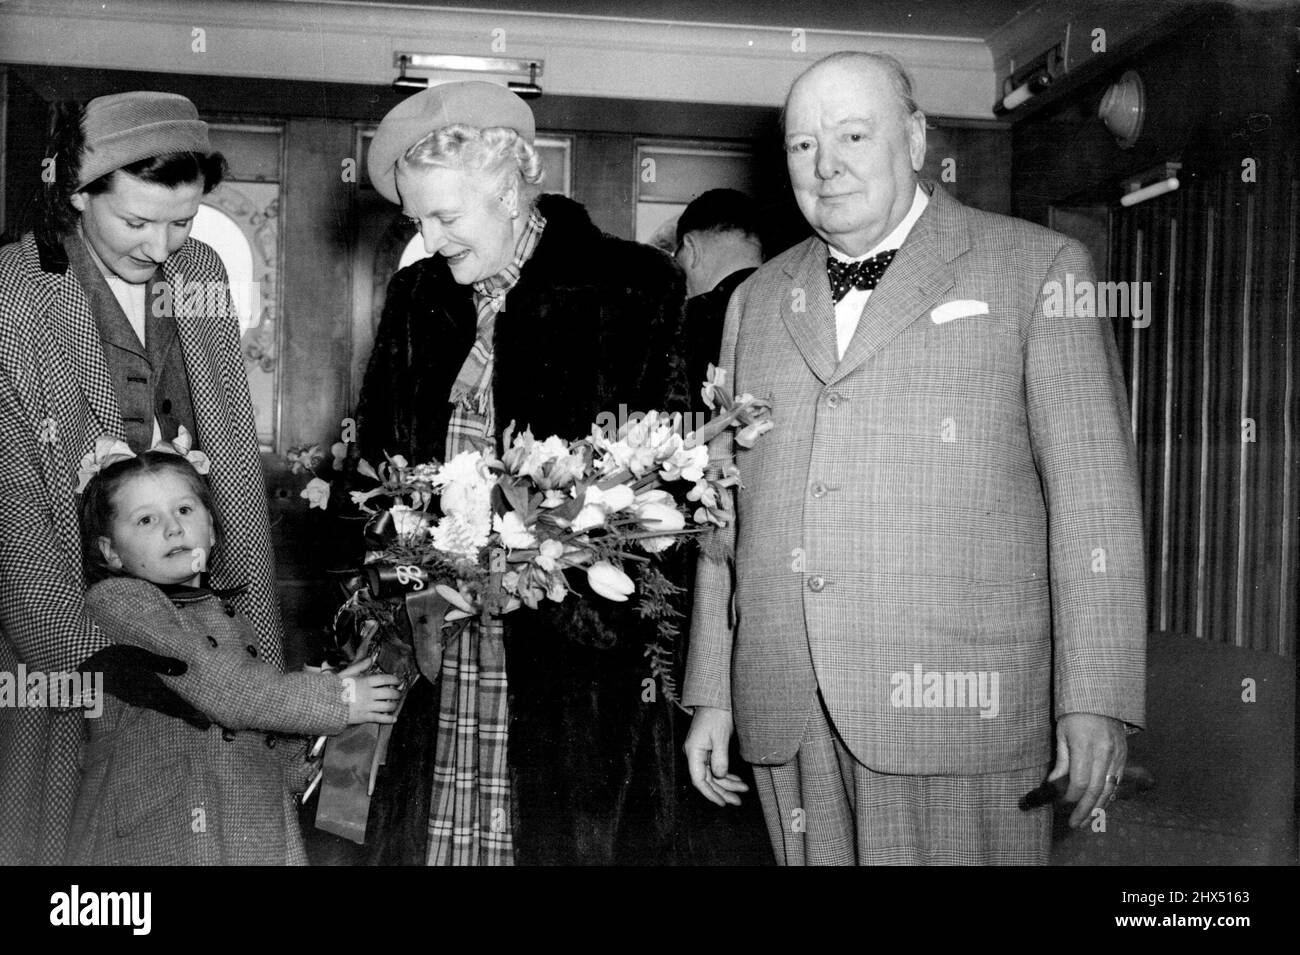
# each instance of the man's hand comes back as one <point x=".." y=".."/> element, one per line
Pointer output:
<point x="1093" y="750"/>
<point x="706" y="755"/>
<point x="134" y="676"/>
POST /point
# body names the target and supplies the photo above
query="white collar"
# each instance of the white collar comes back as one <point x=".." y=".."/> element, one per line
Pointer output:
<point x="895" y="238"/>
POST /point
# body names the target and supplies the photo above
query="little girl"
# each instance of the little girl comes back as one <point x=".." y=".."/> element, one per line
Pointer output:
<point x="155" y="789"/>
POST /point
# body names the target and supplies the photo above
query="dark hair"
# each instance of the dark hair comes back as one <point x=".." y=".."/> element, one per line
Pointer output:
<point x="65" y="145"/>
<point x="719" y="210"/>
<point x="96" y="509"/>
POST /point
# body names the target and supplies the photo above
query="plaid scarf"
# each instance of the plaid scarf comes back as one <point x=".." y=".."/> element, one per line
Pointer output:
<point x="471" y="425"/>
<point x="470" y="808"/>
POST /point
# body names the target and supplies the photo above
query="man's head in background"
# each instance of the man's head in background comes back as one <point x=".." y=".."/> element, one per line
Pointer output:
<point x="717" y="234"/>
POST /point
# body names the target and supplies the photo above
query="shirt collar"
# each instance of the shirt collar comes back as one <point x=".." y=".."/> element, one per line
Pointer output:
<point x="895" y="238"/>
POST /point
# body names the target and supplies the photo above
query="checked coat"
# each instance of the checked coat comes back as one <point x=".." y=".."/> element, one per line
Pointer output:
<point x="958" y="496"/>
<point x="56" y="398"/>
<point x="150" y="778"/>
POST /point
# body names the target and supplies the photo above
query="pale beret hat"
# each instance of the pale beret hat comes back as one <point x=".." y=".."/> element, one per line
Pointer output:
<point x="126" y="127"/>
<point x="472" y="102"/>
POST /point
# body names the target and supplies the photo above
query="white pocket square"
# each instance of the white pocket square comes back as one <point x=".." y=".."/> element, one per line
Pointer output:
<point x="962" y="308"/>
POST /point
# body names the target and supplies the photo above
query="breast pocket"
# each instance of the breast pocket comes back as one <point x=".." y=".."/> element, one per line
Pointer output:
<point x="944" y="385"/>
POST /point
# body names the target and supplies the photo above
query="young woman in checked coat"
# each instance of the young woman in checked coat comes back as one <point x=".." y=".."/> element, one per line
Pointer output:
<point x="98" y="336"/>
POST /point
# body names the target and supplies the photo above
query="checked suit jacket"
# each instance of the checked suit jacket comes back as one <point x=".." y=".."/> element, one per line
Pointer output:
<point x="56" y="398"/>
<point x="958" y="496"/>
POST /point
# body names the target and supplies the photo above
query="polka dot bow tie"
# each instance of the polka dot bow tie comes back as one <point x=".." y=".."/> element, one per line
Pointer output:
<point x="863" y="275"/>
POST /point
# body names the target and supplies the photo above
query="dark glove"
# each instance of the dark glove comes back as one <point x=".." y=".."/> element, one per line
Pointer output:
<point x="134" y="676"/>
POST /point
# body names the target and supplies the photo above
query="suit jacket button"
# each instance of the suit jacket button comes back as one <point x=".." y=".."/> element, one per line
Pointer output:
<point x="252" y="650"/>
<point x="817" y="584"/>
<point x="270" y="741"/>
<point x="228" y="735"/>
<point x="818" y="489"/>
<point x="833" y="399"/>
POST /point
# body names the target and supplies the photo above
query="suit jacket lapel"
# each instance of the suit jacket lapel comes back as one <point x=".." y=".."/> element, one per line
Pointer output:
<point x="160" y="325"/>
<point x="913" y="283"/>
<point x="196" y="334"/>
<point x="808" y="311"/>
<point x="113" y="325"/>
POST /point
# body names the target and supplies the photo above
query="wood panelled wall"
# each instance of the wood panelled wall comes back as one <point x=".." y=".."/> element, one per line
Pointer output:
<point x="1212" y="376"/>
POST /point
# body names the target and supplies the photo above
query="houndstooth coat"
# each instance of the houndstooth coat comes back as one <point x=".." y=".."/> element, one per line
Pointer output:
<point x="55" y="400"/>
<point x="958" y="495"/>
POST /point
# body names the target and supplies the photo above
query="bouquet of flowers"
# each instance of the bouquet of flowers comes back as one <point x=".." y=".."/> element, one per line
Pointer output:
<point x="508" y="533"/>
<point x="334" y="474"/>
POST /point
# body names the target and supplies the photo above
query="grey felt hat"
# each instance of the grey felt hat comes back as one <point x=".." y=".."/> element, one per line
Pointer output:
<point x="472" y="102"/>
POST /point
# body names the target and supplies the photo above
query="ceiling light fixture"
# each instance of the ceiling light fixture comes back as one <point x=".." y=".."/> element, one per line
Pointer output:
<point x="456" y="63"/>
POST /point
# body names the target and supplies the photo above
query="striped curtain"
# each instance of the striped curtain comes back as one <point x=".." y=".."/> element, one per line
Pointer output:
<point x="1212" y="381"/>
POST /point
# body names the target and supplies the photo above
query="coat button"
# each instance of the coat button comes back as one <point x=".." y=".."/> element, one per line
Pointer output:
<point x="818" y="489"/>
<point x="252" y="650"/>
<point x="817" y="584"/>
<point x="228" y="735"/>
<point x="270" y="741"/>
<point x="833" y="399"/>
<point x="212" y="640"/>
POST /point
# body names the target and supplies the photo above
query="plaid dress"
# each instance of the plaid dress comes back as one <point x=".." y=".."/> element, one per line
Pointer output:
<point x="56" y="398"/>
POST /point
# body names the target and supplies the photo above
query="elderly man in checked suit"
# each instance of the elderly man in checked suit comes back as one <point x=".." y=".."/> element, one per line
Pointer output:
<point x="937" y="552"/>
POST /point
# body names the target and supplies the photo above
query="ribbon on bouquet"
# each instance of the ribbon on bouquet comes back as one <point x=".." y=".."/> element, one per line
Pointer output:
<point x="353" y="757"/>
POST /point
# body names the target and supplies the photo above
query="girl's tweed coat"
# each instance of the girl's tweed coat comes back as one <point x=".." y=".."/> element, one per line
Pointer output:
<point x="156" y="790"/>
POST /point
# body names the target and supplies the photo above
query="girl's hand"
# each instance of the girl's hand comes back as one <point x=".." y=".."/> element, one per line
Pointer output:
<point x="372" y="698"/>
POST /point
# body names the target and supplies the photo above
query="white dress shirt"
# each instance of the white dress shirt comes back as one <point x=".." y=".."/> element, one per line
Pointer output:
<point x="848" y="310"/>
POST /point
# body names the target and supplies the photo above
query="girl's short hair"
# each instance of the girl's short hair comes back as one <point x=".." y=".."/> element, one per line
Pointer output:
<point x="55" y="215"/>
<point x="96" y="507"/>
<point x="497" y="151"/>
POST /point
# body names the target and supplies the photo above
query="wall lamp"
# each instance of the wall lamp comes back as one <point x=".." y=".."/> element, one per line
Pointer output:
<point x="1157" y="181"/>
<point x="455" y="63"/>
